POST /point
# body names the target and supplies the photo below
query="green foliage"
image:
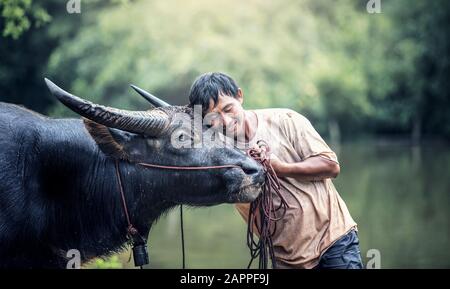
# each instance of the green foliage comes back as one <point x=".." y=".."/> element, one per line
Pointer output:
<point x="334" y="62"/>
<point x="112" y="262"/>
<point x="18" y="16"/>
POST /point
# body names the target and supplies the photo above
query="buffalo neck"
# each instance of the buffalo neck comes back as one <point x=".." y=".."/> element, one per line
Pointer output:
<point x="82" y="182"/>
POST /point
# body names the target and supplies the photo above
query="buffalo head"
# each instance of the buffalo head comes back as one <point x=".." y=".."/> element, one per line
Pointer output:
<point x="163" y="136"/>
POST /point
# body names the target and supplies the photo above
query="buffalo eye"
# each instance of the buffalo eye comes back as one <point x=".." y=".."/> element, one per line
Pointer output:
<point x="183" y="137"/>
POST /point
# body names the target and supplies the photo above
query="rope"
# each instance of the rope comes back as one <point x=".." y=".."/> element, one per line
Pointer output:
<point x="182" y="237"/>
<point x="263" y="213"/>
<point x="131" y="230"/>
<point x="263" y="207"/>
<point x="187" y="168"/>
<point x="135" y="239"/>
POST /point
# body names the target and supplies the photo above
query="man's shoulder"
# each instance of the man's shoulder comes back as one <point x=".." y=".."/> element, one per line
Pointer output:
<point x="280" y="115"/>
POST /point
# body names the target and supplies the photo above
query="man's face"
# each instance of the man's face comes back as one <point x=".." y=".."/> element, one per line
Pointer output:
<point x="227" y="115"/>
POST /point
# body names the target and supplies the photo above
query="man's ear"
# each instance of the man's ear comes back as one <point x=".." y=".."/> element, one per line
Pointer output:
<point x="240" y="96"/>
<point x="110" y="141"/>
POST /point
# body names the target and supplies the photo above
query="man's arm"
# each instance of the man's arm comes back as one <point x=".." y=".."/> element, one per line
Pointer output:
<point x="318" y="161"/>
<point x="315" y="168"/>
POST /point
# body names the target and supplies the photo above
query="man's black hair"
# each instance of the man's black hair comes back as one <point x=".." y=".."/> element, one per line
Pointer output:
<point x="209" y="86"/>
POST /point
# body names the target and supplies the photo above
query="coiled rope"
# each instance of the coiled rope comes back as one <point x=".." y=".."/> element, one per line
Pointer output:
<point x="263" y="214"/>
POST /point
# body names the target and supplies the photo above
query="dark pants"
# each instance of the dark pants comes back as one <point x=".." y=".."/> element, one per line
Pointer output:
<point x="343" y="254"/>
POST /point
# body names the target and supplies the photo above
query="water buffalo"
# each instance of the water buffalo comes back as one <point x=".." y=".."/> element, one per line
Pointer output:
<point x="58" y="184"/>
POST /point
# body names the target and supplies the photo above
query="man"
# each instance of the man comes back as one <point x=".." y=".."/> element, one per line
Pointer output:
<point x="317" y="230"/>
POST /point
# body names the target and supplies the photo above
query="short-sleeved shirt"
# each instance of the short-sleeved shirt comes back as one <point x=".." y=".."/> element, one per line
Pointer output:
<point x="317" y="216"/>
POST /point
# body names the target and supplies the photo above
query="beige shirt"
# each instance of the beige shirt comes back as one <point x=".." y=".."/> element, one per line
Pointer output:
<point x="317" y="216"/>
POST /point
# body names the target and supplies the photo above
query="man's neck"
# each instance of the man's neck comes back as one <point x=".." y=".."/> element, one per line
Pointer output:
<point x="250" y="124"/>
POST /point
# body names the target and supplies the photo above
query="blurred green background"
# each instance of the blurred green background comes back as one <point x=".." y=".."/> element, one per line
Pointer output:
<point x="374" y="85"/>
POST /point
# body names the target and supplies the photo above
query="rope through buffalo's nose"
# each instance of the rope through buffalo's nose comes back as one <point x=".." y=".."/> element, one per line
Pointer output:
<point x="263" y="214"/>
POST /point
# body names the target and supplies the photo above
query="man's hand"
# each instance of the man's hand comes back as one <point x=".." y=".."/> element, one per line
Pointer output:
<point x="278" y="165"/>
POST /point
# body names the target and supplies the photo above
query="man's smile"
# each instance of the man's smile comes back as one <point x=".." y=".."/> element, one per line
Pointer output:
<point x="232" y="127"/>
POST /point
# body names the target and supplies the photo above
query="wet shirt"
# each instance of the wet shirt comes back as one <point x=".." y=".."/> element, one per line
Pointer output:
<point x="317" y="216"/>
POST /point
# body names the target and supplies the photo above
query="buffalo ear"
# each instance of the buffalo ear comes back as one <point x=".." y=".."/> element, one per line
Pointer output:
<point x="110" y="141"/>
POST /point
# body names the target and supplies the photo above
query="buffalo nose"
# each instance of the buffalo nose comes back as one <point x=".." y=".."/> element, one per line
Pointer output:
<point x="251" y="168"/>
